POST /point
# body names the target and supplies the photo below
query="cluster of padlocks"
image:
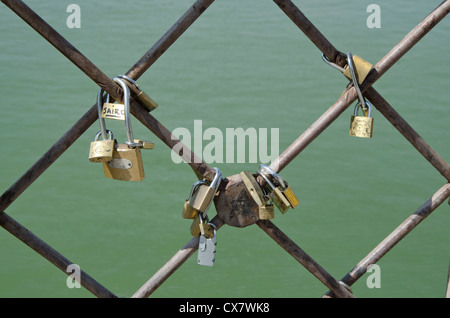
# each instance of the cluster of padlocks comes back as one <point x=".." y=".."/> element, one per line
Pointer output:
<point x="120" y="161"/>
<point x="273" y="191"/>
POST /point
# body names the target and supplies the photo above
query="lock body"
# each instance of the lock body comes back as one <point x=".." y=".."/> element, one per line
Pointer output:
<point x="126" y="164"/>
<point x="361" y="126"/>
<point x="279" y="200"/>
<point x="362" y="69"/>
<point x="201" y="198"/>
<point x="101" y="150"/>
<point x="188" y="211"/>
<point x="266" y="212"/>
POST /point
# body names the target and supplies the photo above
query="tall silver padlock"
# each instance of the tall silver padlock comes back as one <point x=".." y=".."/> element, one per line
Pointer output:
<point x="126" y="163"/>
<point x="202" y="197"/>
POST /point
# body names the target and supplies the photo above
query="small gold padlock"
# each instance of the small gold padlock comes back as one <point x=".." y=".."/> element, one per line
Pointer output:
<point x="102" y="150"/>
<point x="200" y="226"/>
<point x="290" y="196"/>
<point x="266" y="211"/>
<point x="188" y="211"/>
<point x="203" y="195"/>
<point x="361" y="126"/>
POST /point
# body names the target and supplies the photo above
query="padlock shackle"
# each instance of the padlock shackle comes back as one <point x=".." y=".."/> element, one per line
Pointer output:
<point x="217" y="179"/>
<point x="103" y="130"/>
<point x="266" y="179"/>
<point x="269" y="171"/>
<point x="369" y="106"/>
<point x="109" y="133"/>
<point x="126" y="103"/>
<point x="195" y="186"/>
<point x="355" y="80"/>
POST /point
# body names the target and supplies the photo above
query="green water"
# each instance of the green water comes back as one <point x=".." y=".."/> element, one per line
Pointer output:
<point x="241" y="64"/>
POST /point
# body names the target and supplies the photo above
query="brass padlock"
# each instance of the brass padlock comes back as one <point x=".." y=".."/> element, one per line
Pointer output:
<point x="361" y="126"/>
<point x="275" y="194"/>
<point x="127" y="163"/>
<point x="289" y="194"/>
<point x="361" y="67"/>
<point x="188" y="211"/>
<point x="265" y="211"/>
<point x="200" y="226"/>
<point x="102" y="150"/>
<point x="202" y="197"/>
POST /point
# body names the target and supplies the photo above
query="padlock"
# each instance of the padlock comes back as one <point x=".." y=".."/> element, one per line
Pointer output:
<point x="203" y="195"/>
<point x="361" y="67"/>
<point x="200" y="226"/>
<point x="102" y="150"/>
<point x="275" y="194"/>
<point x="285" y="188"/>
<point x="289" y="194"/>
<point x="276" y="188"/>
<point x="265" y="211"/>
<point x="188" y="211"/>
<point x="127" y="163"/>
<point x="361" y="126"/>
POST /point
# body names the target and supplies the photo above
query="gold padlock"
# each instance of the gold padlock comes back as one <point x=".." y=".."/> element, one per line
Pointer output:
<point x="275" y="194"/>
<point x="126" y="164"/>
<point x="361" y="126"/>
<point x="102" y="150"/>
<point x="290" y="196"/>
<point x="188" y="211"/>
<point x="200" y="226"/>
<point x="202" y="197"/>
<point x="361" y="66"/>
<point x="265" y="211"/>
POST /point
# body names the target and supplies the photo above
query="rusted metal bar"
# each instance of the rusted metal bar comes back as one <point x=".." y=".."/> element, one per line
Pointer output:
<point x="169" y="37"/>
<point x="310" y="30"/>
<point x="46" y="251"/>
<point x="16" y="189"/>
<point x="398" y="234"/>
<point x="172" y="265"/>
<point x="91" y="115"/>
<point x="303" y="258"/>
<point x="408" y="132"/>
<point x="378" y="70"/>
